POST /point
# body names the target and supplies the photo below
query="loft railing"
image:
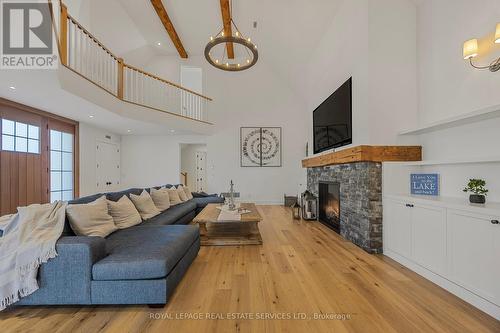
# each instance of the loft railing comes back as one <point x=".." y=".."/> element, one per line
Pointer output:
<point x="84" y="54"/>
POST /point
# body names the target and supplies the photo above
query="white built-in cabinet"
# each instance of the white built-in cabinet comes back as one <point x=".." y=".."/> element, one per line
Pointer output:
<point x="455" y="245"/>
<point x="474" y="248"/>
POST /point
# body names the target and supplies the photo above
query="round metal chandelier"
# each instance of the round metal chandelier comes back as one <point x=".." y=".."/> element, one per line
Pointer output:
<point x="223" y="62"/>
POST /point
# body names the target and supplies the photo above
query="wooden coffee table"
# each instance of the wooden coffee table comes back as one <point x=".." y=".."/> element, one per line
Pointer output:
<point x="243" y="232"/>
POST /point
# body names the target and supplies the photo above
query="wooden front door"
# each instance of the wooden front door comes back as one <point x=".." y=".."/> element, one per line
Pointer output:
<point x="24" y="155"/>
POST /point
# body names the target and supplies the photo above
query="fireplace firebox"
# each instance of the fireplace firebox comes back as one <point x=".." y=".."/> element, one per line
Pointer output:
<point x="329" y="204"/>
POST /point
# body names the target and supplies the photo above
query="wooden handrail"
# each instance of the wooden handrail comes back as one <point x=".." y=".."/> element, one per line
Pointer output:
<point x="85" y="31"/>
<point x="166" y="81"/>
<point x="63" y="38"/>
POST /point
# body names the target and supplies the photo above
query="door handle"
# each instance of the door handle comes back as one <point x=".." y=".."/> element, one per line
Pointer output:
<point x="495" y="222"/>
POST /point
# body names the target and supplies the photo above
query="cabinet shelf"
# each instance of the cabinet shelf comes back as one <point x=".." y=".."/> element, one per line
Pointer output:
<point x="467" y="118"/>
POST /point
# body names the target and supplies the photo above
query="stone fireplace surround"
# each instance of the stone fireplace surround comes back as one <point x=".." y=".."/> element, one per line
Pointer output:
<point x="360" y="200"/>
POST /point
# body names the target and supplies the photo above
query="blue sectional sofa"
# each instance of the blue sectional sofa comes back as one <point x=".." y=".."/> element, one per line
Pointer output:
<point x="138" y="265"/>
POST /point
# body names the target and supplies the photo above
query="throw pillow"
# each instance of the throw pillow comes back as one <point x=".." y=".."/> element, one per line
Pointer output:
<point x="174" y="196"/>
<point x="182" y="194"/>
<point x="91" y="219"/>
<point x="124" y="213"/>
<point x="145" y="205"/>
<point x="161" y="198"/>
<point x="188" y="193"/>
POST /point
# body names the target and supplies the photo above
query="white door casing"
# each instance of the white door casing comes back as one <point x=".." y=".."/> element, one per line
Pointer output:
<point x="108" y="166"/>
<point x="201" y="171"/>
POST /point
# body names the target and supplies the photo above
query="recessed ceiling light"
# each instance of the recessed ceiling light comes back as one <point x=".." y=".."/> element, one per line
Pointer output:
<point x="172" y="131"/>
<point x="158" y="43"/>
<point x="129" y="130"/>
<point x="91" y="116"/>
<point x="12" y="88"/>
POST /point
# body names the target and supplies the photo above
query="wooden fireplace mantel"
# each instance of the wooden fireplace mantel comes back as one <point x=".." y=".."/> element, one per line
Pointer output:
<point x="366" y="154"/>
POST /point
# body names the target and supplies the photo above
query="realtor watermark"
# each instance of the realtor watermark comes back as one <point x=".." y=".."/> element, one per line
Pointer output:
<point x="249" y="316"/>
<point x="27" y="38"/>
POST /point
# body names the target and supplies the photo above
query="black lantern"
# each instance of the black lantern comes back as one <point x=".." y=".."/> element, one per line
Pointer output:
<point x="309" y="206"/>
<point x="296" y="211"/>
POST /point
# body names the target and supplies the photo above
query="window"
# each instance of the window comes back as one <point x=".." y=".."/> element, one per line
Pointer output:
<point x="20" y="137"/>
<point x="61" y="166"/>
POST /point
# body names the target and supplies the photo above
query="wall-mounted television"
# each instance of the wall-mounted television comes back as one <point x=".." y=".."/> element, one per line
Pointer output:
<point x="332" y="120"/>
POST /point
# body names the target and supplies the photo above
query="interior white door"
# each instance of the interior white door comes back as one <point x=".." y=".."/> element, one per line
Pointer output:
<point x="108" y="166"/>
<point x="397" y="234"/>
<point x="192" y="79"/>
<point x="474" y="252"/>
<point x="201" y="171"/>
<point x="429" y="237"/>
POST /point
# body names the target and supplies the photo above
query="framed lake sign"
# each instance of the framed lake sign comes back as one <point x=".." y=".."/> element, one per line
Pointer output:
<point x="424" y="184"/>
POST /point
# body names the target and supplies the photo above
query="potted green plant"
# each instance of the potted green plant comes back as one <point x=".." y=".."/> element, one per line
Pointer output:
<point x="477" y="189"/>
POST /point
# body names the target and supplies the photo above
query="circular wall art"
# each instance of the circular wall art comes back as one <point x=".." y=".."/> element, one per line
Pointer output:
<point x="260" y="147"/>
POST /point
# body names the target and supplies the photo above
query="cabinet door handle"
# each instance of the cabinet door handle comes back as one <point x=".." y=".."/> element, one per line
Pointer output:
<point x="495" y="222"/>
<point x="410" y="205"/>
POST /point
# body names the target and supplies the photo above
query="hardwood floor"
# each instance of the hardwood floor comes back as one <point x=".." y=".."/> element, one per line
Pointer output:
<point x="302" y="269"/>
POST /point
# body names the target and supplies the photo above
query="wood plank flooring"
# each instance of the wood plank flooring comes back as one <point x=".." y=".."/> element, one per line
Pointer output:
<point x="303" y="269"/>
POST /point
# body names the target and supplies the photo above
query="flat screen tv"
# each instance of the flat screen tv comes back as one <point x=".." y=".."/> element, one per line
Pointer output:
<point x="332" y="120"/>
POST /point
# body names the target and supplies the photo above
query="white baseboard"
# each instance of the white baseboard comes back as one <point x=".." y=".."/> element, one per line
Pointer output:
<point x="471" y="298"/>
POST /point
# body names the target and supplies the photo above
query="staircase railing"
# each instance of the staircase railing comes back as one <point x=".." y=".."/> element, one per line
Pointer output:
<point x="84" y="54"/>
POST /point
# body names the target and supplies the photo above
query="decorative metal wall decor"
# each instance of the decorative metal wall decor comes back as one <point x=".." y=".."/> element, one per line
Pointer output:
<point x="260" y="146"/>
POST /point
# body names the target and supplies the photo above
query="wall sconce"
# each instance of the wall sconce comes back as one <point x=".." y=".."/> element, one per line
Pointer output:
<point x="471" y="51"/>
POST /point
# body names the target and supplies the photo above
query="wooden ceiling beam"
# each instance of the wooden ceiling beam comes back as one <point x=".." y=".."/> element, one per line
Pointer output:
<point x="169" y="26"/>
<point x="228" y="31"/>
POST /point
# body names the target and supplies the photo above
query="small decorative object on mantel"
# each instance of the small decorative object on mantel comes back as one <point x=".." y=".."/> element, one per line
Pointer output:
<point x="478" y="190"/>
<point x="231" y="204"/>
<point x="424" y="184"/>
<point x="296" y="211"/>
<point x="260" y="146"/>
<point x="309" y="206"/>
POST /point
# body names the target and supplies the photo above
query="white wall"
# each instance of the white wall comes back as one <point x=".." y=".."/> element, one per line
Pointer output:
<point x="375" y="43"/>
<point x="256" y="97"/>
<point x="89" y="136"/>
<point x="153" y="160"/>
<point x="448" y="86"/>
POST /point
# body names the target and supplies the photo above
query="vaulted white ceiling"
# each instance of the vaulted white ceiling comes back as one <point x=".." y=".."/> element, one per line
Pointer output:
<point x="287" y="32"/>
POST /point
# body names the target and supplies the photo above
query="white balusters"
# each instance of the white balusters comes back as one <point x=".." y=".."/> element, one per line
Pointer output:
<point x="91" y="59"/>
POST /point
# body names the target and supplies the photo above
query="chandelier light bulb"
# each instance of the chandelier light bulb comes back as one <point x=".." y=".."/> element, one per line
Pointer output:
<point x="249" y="40"/>
<point x="237" y="34"/>
<point x="223" y="34"/>
<point x="211" y="38"/>
<point x="217" y="61"/>
<point x="227" y="64"/>
<point x="248" y="61"/>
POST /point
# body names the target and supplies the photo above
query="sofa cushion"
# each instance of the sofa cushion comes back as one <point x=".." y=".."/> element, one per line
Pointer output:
<point x="91" y="219"/>
<point x="172" y="215"/>
<point x="160" y="198"/>
<point x="188" y="192"/>
<point x="144" y="253"/>
<point x="174" y="196"/>
<point x="145" y="205"/>
<point x="182" y="194"/>
<point x="124" y="213"/>
<point x="115" y="196"/>
<point x="202" y="202"/>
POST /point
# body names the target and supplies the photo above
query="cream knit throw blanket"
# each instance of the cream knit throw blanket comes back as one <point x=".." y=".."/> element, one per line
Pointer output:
<point x="29" y="239"/>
